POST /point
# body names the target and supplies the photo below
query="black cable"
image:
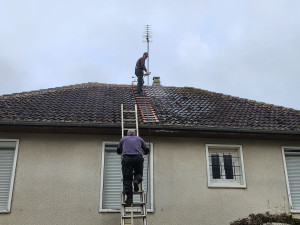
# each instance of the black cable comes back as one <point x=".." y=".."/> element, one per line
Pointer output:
<point x="148" y="166"/>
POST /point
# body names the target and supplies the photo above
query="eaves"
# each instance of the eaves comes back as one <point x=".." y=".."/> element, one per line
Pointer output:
<point x="152" y="129"/>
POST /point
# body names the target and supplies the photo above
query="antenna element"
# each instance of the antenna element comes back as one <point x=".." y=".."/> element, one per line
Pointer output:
<point x="147" y="37"/>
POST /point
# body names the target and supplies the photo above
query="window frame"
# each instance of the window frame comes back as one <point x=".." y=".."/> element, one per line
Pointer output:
<point x="12" y="180"/>
<point x="224" y="183"/>
<point x="283" y="148"/>
<point x="101" y="209"/>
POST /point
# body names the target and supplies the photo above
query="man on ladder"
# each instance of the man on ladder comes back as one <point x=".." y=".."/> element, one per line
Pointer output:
<point x="132" y="148"/>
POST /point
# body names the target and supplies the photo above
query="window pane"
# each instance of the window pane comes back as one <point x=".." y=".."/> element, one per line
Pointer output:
<point x="228" y="166"/>
<point x="225" y="167"/>
<point x="215" y="166"/>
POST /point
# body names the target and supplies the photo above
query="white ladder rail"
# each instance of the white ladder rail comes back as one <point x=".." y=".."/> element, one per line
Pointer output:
<point x="142" y="204"/>
<point x="129" y="213"/>
<point x="123" y="120"/>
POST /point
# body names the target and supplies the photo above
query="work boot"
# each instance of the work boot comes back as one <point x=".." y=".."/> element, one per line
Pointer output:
<point x="128" y="201"/>
<point x="136" y="186"/>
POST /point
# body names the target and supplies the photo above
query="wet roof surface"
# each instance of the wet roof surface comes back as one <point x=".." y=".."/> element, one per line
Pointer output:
<point x="176" y="106"/>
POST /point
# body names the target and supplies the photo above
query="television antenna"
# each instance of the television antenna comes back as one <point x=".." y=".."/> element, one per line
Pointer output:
<point x="147" y="37"/>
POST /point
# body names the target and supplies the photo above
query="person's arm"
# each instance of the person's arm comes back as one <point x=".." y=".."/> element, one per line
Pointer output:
<point x="145" y="147"/>
<point x="119" y="148"/>
<point x="143" y="65"/>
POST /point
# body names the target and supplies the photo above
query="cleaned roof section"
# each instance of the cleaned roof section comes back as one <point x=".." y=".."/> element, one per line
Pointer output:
<point x="175" y="106"/>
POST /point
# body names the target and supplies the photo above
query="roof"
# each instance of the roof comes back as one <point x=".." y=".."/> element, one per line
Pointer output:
<point x="96" y="103"/>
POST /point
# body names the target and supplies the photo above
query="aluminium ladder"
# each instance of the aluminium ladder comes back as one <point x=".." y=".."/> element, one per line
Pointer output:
<point x="138" y="209"/>
<point x="127" y="119"/>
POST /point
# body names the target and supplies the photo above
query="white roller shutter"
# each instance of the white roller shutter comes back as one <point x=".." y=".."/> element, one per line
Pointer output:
<point x="112" y="176"/>
<point x="7" y="158"/>
<point x="112" y="179"/>
<point x="293" y="172"/>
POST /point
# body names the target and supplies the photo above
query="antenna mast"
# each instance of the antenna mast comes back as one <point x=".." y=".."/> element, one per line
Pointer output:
<point x="147" y="37"/>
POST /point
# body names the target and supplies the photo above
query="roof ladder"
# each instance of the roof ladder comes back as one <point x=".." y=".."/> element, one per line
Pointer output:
<point x="147" y="111"/>
<point x="129" y="120"/>
<point x="137" y="210"/>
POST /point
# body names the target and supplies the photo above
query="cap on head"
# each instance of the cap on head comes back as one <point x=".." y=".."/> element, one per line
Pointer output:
<point x="145" y="53"/>
<point x="131" y="132"/>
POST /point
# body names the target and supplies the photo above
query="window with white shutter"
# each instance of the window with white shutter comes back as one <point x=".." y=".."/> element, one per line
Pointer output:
<point x="291" y="157"/>
<point x="8" y="159"/>
<point x="111" y="179"/>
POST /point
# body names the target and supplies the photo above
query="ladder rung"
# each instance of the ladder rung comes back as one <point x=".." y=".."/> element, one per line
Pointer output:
<point x="134" y="217"/>
<point x="135" y="192"/>
<point x="130" y="111"/>
<point x="129" y="119"/>
<point x="135" y="203"/>
<point x="133" y="128"/>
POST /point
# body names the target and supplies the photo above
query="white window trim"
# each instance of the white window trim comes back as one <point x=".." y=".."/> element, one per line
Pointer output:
<point x="286" y="175"/>
<point x="13" y="174"/>
<point x="224" y="184"/>
<point x="102" y="175"/>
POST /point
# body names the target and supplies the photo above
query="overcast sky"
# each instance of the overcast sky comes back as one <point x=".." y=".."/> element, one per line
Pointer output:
<point x="244" y="48"/>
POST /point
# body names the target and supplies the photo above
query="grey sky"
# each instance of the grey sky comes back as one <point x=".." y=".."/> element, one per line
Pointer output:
<point x="248" y="49"/>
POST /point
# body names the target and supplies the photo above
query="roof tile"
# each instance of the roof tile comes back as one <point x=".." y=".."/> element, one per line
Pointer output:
<point x="100" y="103"/>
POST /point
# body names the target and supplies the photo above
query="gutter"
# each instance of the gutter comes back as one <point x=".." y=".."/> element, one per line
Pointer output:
<point x="216" y="129"/>
<point x="159" y="128"/>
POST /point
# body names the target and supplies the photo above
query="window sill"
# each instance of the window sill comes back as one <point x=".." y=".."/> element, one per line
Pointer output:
<point x="119" y="210"/>
<point x="296" y="211"/>
<point x="4" y="211"/>
<point x="228" y="185"/>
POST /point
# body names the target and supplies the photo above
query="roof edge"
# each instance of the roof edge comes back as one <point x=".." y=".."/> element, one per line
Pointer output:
<point x="152" y="126"/>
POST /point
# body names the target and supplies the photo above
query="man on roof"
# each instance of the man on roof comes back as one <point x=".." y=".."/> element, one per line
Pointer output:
<point x="132" y="148"/>
<point x="139" y="68"/>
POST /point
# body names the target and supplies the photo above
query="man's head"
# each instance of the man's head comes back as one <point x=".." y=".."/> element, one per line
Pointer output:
<point x="145" y="55"/>
<point x="131" y="132"/>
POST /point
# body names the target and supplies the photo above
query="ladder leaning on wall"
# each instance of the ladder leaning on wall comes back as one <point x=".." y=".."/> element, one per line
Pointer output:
<point x="127" y="119"/>
<point x="138" y="209"/>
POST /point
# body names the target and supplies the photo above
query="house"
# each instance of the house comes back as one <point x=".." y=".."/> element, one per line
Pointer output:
<point x="214" y="158"/>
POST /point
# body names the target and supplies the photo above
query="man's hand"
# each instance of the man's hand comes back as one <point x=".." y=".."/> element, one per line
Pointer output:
<point x="148" y="73"/>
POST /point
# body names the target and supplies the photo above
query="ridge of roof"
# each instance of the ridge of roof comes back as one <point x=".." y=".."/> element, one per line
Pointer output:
<point x="57" y="89"/>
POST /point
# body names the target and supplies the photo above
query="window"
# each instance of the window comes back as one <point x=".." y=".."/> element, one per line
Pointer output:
<point x="291" y="160"/>
<point x="111" y="179"/>
<point x="8" y="159"/>
<point x="225" y="167"/>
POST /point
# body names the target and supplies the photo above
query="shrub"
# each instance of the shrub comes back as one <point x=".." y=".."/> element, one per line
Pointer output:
<point x="267" y="218"/>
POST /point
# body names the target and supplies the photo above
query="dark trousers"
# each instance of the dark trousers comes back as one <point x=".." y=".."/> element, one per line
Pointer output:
<point x="140" y="75"/>
<point x="132" y="165"/>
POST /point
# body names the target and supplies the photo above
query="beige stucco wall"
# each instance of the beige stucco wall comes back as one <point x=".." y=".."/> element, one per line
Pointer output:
<point x="58" y="181"/>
